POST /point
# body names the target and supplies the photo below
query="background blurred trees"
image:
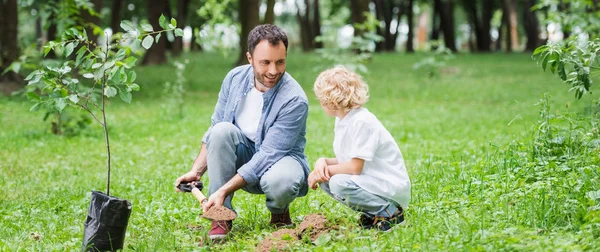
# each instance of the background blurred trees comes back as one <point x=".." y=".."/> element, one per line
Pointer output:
<point x="481" y="26"/>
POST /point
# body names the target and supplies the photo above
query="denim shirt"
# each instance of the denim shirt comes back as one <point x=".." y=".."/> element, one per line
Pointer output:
<point x="282" y="127"/>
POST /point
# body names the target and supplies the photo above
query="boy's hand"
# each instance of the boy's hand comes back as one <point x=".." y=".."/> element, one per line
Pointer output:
<point x="322" y="172"/>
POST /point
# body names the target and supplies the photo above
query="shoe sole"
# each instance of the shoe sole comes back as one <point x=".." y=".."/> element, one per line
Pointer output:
<point x="217" y="237"/>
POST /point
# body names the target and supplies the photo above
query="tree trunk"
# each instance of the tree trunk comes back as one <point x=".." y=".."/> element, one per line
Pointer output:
<point x="39" y="34"/>
<point x="512" y="35"/>
<point x="182" y="9"/>
<point x="384" y="10"/>
<point x="487" y="11"/>
<point x="357" y="10"/>
<point x="249" y="18"/>
<point x="410" y="19"/>
<point x="316" y="25"/>
<point x="115" y="19"/>
<point x="447" y="23"/>
<point x="90" y="21"/>
<point x="305" y="26"/>
<point x="9" y="50"/>
<point x="531" y="25"/>
<point x="270" y="14"/>
<point x="157" y="53"/>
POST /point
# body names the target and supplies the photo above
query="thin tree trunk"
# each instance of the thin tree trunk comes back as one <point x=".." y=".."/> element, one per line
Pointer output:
<point x="9" y="50"/>
<point x="39" y="34"/>
<point x="182" y="6"/>
<point x="532" y="26"/>
<point x="486" y="17"/>
<point x="157" y="53"/>
<point x="91" y="20"/>
<point x="115" y="19"/>
<point x="249" y="18"/>
<point x="447" y="24"/>
<point x="512" y="36"/>
<point x="316" y="25"/>
<point x="357" y="10"/>
<point x="410" y="19"/>
<point x="305" y="27"/>
<point x="270" y="14"/>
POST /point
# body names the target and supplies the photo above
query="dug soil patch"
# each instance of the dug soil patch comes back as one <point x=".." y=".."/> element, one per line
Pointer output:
<point x="219" y="213"/>
<point x="314" y="225"/>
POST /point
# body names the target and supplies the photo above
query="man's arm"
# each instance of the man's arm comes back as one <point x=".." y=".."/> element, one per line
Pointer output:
<point x="218" y="197"/>
<point x="198" y="168"/>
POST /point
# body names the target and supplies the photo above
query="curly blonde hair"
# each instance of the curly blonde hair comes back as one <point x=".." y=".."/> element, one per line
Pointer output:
<point x="341" y="89"/>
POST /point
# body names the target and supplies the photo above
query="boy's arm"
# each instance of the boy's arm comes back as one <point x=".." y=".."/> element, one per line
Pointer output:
<point x="352" y="167"/>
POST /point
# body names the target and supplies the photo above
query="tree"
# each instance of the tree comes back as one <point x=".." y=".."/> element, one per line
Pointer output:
<point x="9" y="80"/>
<point x="446" y="12"/>
<point x="248" y="18"/>
<point x="357" y="14"/>
<point x="182" y="12"/>
<point x="531" y="25"/>
<point x="385" y="10"/>
<point x="115" y="18"/>
<point x="510" y="24"/>
<point x="156" y="54"/>
<point x="410" y="22"/>
<point x="310" y="24"/>
<point x="270" y="13"/>
<point x="480" y="21"/>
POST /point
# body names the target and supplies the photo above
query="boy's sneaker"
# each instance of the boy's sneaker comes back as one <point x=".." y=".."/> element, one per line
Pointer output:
<point x="382" y="223"/>
<point x="219" y="230"/>
<point x="282" y="219"/>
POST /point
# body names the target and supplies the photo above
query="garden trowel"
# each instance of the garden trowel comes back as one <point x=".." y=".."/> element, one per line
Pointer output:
<point x="218" y="213"/>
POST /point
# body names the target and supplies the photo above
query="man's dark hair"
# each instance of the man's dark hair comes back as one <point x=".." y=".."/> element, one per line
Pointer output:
<point x="268" y="32"/>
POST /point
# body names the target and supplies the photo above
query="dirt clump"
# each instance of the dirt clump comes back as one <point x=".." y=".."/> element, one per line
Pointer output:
<point x="278" y="240"/>
<point x="219" y="213"/>
<point x="314" y="225"/>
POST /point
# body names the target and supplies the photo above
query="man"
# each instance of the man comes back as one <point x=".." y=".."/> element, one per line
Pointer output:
<point x="257" y="136"/>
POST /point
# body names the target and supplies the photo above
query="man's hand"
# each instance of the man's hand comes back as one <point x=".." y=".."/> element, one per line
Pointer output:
<point x="215" y="199"/>
<point x="185" y="178"/>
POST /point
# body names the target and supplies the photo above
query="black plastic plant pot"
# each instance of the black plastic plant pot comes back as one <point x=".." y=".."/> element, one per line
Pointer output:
<point x="106" y="223"/>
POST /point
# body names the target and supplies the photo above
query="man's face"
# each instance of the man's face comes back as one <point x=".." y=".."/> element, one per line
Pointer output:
<point x="268" y="62"/>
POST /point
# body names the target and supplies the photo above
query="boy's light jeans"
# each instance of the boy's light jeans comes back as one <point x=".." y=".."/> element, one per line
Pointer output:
<point x="343" y="189"/>
<point x="229" y="149"/>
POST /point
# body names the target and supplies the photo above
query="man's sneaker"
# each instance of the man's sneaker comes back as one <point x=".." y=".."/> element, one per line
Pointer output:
<point x="219" y="230"/>
<point x="282" y="219"/>
<point x="382" y="223"/>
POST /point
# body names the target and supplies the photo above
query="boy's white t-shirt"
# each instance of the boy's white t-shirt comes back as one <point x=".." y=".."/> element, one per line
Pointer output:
<point x="361" y="135"/>
<point x="248" y="113"/>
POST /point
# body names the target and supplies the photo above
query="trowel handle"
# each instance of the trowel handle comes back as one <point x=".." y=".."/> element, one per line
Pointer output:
<point x="199" y="195"/>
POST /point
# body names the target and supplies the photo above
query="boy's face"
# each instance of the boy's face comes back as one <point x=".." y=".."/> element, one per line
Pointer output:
<point x="268" y="62"/>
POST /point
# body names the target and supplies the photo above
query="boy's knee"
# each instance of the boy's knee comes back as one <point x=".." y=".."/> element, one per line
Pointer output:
<point x="339" y="184"/>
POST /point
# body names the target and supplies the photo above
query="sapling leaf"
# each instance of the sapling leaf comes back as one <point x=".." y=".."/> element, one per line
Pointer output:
<point x="157" y="37"/>
<point x="179" y="32"/>
<point x="161" y="21"/>
<point x="60" y="104"/>
<point x="35" y="107"/>
<point x="125" y="96"/>
<point x="33" y="96"/>
<point x="69" y="49"/>
<point x="88" y="75"/>
<point x="147" y="27"/>
<point x="132" y="76"/>
<point x="74" y="98"/>
<point x="173" y="22"/>
<point x="110" y="91"/>
<point x="127" y="26"/>
<point x="147" y="42"/>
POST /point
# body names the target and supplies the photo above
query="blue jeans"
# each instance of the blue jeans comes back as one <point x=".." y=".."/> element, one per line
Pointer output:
<point x="343" y="189"/>
<point x="229" y="149"/>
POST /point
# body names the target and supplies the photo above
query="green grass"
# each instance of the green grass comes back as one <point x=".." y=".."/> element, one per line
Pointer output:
<point x="467" y="137"/>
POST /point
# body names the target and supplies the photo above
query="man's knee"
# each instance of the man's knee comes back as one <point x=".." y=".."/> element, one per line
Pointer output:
<point x="278" y="183"/>
<point x="222" y="131"/>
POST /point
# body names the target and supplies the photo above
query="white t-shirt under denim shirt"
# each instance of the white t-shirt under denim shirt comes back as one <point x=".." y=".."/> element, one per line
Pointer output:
<point x="361" y="135"/>
<point x="248" y="113"/>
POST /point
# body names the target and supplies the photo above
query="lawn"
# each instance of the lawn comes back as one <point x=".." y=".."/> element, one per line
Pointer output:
<point x="479" y="181"/>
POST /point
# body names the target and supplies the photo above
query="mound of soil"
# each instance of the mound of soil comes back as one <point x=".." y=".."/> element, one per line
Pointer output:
<point x="313" y="225"/>
<point x="219" y="213"/>
<point x="278" y="240"/>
